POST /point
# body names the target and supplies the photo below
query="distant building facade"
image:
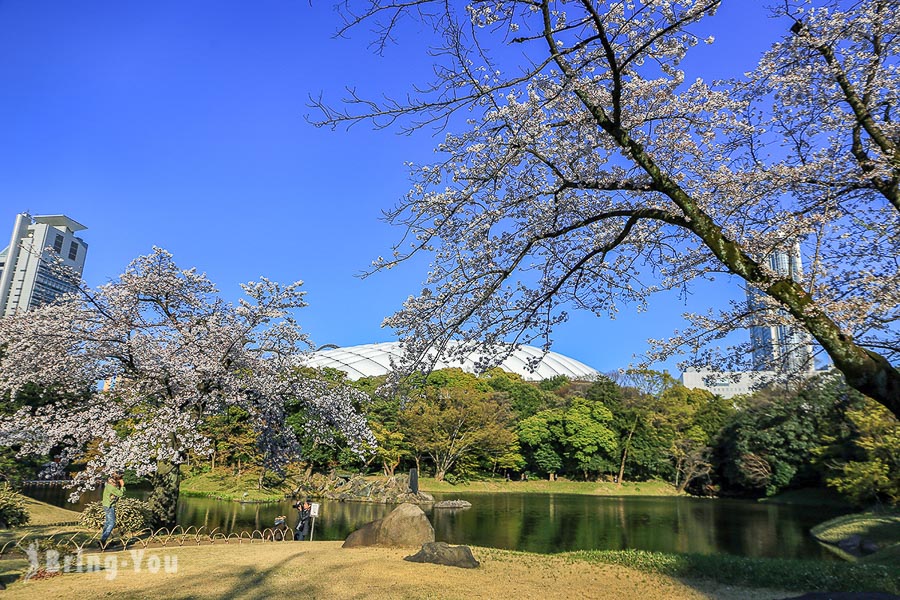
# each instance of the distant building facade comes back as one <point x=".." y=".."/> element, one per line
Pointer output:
<point x="780" y="348"/>
<point x="26" y="277"/>
<point x="782" y="354"/>
<point x="726" y="384"/>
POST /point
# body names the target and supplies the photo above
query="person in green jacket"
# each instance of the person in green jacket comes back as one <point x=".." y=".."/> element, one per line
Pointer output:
<point x="112" y="491"/>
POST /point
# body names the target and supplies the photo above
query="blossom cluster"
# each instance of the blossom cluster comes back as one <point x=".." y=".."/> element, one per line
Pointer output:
<point x="172" y="353"/>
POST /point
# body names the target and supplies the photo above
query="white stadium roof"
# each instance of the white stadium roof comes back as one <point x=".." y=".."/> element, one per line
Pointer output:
<point x="371" y="360"/>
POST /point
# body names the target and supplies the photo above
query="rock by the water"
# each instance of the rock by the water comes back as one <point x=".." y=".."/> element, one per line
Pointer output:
<point x="441" y="553"/>
<point x="869" y="547"/>
<point x="406" y="526"/>
<point x="850" y="544"/>
<point x="386" y="490"/>
<point x="453" y="504"/>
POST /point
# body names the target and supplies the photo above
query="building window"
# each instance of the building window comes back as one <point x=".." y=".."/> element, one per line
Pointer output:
<point x="73" y="251"/>
<point x="57" y="245"/>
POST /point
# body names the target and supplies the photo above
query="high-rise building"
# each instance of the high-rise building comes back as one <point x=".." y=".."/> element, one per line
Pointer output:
<point x="28" y="277"/>
<point x="778" y="347"/>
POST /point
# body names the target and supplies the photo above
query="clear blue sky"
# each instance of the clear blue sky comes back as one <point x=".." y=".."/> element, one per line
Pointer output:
<point x="181" y="124"/>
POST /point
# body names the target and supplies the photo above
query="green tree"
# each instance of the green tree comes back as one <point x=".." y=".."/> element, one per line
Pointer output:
<point x="588" y="440"/>
<point x="876" y="474"/>
<point x="769" y="445"/>
<point x="525" y="399"/>
<point x="456" y="416"/>
<point x="676" y="412"/>
<point x="234" y="439"/>
<point x="392" y="447"/>
<point x="542" y="436"/>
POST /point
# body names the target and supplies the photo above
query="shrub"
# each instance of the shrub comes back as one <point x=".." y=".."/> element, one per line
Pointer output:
<point x="12" y="508"/>
<point x="132" y="515"/>
<point x="48" y="559"/>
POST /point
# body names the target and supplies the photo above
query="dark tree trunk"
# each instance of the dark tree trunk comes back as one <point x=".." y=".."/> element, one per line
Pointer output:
<point x="163" y="498"/>
<point x="625" y="454"/>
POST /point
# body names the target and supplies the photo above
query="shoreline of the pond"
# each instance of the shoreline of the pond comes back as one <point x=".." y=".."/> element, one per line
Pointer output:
<point x="548" y="522"/>
<point x="199" y="487"/>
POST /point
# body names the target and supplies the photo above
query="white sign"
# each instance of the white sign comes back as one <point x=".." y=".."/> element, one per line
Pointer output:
<point x="314" y="509"/>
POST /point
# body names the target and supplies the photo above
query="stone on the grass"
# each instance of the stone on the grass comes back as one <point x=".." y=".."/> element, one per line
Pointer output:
<point x="406" y="527"/>
<point x="442" y="553"/>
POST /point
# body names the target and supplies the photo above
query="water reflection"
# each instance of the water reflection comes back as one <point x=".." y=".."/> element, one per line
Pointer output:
<point x="558" y="523"/>
<point x="545" y="522"/>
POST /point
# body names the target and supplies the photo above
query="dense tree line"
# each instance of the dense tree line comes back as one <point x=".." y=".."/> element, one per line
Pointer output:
<point x="636" y="426"/>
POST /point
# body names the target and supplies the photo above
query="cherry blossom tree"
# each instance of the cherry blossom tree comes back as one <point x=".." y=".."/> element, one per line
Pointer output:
<point x="176" y="354"/>
<point x="582" y="166"/>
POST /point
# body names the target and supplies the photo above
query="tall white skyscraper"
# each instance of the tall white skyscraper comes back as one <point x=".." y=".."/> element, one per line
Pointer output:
<point x="781" y="347"/>
<point x="26" y="277"/>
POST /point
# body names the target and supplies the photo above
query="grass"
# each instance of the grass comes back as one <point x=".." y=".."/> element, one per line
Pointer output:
<point x="225" y="486"/>
<point x="542" y="486"/>
<point x="46" y="521"/>
<point x="41" y="513"/>
<point x="756" y="572"/>
<point x="324" y="570"/>
<point x="881" y="528"/>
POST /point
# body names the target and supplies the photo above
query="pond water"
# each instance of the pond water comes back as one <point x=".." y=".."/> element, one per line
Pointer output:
<point x="547" y="522"/>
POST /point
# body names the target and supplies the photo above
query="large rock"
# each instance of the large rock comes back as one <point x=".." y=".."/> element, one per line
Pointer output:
<point x="442" y="553"/>
<point x="406" y="527"/>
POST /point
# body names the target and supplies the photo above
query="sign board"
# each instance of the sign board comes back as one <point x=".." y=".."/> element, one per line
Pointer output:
<point x="314" y="509"/>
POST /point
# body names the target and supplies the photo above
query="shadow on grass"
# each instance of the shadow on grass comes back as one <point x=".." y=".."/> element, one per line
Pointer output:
<point x="252" y="581"/>
<point x="799" y="575"/>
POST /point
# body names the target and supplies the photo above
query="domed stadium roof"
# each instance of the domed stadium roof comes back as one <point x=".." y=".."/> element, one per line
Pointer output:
<point x="371" y="360"/>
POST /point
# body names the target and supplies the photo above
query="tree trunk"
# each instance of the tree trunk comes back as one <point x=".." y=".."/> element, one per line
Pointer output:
<point x="163" y="498"/>
<point x="625" y="453"/>
<point x="866" y="371"/>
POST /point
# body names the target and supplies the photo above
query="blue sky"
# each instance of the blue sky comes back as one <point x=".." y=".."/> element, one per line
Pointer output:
<point x="181" y="125"/>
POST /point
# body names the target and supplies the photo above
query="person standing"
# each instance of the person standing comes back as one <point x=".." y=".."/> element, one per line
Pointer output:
<point x="112" y="491"/>
<point x="302" y="531"/>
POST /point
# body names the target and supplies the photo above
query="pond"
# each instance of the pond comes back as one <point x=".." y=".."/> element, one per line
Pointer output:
<point x="548" y="522"/>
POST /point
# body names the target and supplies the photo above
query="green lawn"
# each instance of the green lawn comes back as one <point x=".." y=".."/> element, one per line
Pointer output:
<point x="881" y="528"/>
<point x="542" y="486"/>
<point x="225" y="486"/>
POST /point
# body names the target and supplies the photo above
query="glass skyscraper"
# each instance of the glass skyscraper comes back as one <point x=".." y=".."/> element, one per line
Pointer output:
<point x="778" y="347"/>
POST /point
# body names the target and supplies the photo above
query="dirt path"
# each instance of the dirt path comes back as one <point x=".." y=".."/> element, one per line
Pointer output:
<point x="325" y="570"/>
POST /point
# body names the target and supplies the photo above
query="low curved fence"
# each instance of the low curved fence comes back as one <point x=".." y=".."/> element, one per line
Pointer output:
<point x="80" y="542"/>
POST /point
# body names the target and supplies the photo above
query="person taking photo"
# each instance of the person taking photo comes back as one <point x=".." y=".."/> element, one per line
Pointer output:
<point x="112" y="491"/>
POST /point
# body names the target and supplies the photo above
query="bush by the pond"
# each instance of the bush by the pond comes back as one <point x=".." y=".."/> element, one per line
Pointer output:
<point x="756" y="572"/>
<point x="132" y="515"/>
<point x="12" y="508"/>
